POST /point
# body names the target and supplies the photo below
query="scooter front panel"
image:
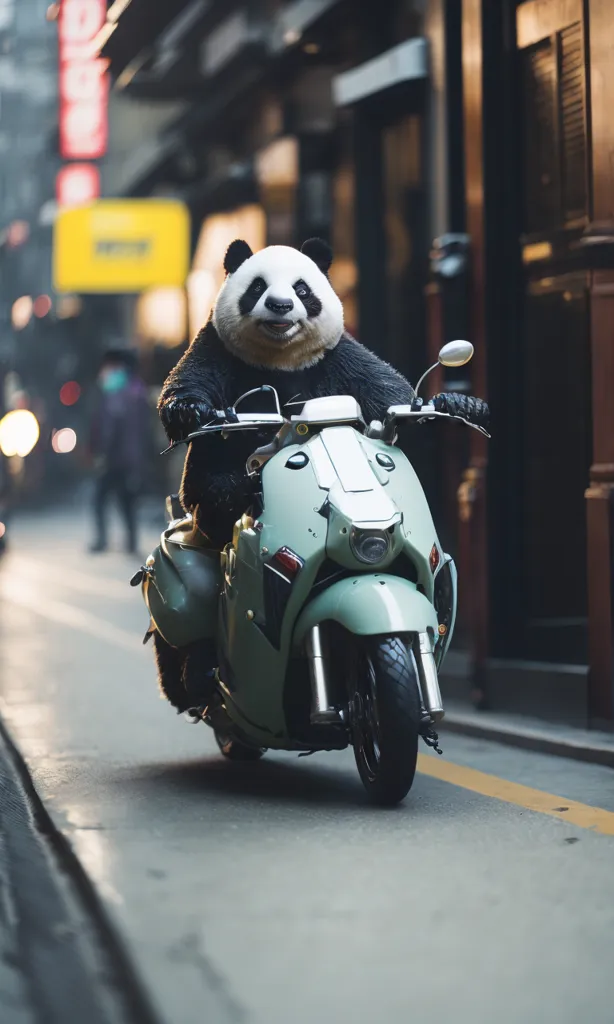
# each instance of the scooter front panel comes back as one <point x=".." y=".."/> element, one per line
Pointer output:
<point x="257" y="652"/>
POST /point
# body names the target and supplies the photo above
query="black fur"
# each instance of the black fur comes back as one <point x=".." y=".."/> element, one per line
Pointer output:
<point x="251" y="295"/>
<point x="185" y="674"/>
<point x="208" y="376"/>
<point x="320" y="252"/>
<point x="169" y="663"/>
<point x="236" y="254"/>
<point x="309" y="299"/>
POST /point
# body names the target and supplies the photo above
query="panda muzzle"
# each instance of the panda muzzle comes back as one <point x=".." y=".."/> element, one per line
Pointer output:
<point x="278" y="326"/>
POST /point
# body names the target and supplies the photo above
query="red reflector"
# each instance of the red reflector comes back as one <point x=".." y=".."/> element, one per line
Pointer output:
<point x="434" y="558"/>
<point x="288" y="560"/>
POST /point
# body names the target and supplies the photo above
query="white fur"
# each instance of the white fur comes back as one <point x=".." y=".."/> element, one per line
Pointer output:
<point x="307" y="340"/>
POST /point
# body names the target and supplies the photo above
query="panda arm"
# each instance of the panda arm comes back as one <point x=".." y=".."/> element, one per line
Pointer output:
<point x="373" y="383"/>
<point x="193" y="388"/>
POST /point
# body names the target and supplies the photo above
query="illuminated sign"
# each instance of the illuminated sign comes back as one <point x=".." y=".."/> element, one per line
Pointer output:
<point x="77" y="185"/>
<point x="84" y="82"/>
<point x="118" y="246"/>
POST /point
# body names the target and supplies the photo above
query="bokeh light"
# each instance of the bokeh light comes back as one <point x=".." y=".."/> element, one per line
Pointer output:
<point x="70" y="392"/>
<point x="42" y="306"/>
<point x="2" y="530"/>
<point x="21" y="312"/>
<point x="19" y="432"/>
<point x="64" y="440"/>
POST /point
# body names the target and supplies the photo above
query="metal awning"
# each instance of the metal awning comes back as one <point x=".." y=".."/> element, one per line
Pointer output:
<point x="403" y="63"/>
<point x="135" y="28"/>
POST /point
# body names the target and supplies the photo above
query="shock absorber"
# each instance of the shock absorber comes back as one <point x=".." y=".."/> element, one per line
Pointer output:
<point x="429" y="680"/>
<point x="321" y="711"/>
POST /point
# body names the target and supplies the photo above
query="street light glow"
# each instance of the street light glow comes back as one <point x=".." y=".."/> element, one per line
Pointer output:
<point x="42" y="306"/>
<point x="19" y="432"/>
<point x="21" y="312"/>
<point x="64" y="441"/>
<point x="70" y="392"/>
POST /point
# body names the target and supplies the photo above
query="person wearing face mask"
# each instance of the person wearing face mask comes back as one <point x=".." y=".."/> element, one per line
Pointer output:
<point x="120" y="442"/>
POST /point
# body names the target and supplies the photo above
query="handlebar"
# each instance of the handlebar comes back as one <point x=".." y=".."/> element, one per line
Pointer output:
<point x="247" y="422"/>
<point x="250" y="421"/>
<point x="427" y="412"/>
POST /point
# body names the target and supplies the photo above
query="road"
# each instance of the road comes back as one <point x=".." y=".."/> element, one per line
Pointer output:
<point x="271" y="893"/>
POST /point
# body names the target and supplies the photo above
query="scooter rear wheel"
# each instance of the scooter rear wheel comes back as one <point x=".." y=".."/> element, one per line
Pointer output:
<point x="234" y="750"/>
<point x="385" y="717"/>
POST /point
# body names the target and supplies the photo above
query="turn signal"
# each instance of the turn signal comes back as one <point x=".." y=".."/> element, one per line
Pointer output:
<point x="287" y="560"/>
<point x="434" y="558"/>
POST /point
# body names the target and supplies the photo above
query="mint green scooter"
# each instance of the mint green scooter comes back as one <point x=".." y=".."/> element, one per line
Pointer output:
<point x="333" y="606"/>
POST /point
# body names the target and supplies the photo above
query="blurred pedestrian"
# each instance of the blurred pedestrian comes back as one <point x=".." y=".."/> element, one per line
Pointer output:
<point x="120" y="442"/>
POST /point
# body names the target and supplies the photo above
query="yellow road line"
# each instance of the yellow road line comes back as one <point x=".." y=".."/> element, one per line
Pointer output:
<point x="584" y="816"/>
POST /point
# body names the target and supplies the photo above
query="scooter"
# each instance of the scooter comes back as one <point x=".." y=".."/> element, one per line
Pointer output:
<point x="334" y="604"/>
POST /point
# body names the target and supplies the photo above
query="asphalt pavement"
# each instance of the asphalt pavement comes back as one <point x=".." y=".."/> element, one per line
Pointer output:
<point x="272" y="893"/>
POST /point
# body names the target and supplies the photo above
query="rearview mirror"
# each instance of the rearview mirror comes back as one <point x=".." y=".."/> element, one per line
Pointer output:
<point x="456" y="353"/>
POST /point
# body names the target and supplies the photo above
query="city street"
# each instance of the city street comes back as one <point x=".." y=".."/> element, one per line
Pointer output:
<point x="271" y="893"/>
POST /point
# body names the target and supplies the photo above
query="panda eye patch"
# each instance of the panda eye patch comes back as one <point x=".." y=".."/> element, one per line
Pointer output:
<point x="310" y="301"/>
<point x="250" y="297"/>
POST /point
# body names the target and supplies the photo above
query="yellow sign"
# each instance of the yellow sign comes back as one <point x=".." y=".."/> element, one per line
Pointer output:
<point x="121" y="245"/>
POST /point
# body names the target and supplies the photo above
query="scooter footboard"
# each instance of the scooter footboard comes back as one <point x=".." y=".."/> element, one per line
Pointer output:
<point x="369" y="605"/>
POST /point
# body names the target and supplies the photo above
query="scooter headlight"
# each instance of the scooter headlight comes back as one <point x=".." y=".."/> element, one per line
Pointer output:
<point x="370" y="546"/>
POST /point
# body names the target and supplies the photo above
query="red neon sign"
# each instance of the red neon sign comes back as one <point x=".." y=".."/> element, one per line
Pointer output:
<point x="84" y="83"/>
<point x="77" y="184"/>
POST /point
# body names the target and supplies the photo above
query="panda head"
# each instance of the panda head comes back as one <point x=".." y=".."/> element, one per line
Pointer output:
<point x="277" y="307"/>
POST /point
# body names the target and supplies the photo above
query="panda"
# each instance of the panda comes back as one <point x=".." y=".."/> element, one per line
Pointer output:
<point x="276" y="321"/>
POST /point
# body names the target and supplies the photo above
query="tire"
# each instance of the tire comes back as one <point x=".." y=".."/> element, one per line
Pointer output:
<point x="234" y="750"/>
<point x="385" y="716"/>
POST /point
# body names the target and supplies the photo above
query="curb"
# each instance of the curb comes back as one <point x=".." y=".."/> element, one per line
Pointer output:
<point x="583" y="747"/>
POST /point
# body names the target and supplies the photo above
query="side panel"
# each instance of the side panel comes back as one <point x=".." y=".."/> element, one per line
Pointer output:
<point x="183" y="591"/>
<point x="290" y="518"/>
<point x="368" y="606"/>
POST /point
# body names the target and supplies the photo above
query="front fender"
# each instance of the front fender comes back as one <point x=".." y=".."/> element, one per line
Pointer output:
<point x="369" y="605"/>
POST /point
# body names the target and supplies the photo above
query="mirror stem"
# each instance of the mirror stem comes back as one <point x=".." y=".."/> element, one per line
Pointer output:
<point x="424" y="376"/>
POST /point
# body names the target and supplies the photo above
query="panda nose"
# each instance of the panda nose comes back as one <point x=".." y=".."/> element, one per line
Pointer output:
<point x="279" y="306"/>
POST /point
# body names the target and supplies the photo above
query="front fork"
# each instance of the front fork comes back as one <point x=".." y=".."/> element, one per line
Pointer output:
<point x="429" y="679"/>
<point x="322" y="711"/>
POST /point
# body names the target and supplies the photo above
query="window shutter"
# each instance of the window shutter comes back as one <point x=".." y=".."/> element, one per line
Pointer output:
<point x="572" y="98"/>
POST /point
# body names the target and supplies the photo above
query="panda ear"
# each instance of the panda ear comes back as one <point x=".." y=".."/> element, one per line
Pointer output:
<point x="320" y="252"/>
<point x="236" y="254"/>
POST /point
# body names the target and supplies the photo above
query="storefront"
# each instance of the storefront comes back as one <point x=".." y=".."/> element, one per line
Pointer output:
<point x="535" y="83"/>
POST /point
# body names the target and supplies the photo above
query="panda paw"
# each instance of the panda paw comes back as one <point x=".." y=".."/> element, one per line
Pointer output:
<point x="182" y="417"/>
<point x="474" y="410"/>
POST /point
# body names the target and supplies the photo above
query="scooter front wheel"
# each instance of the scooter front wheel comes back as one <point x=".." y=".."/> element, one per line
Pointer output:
<point x="385" y="717"/>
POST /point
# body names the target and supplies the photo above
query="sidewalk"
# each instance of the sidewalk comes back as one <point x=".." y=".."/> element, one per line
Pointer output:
<point x="529" y="733"/>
